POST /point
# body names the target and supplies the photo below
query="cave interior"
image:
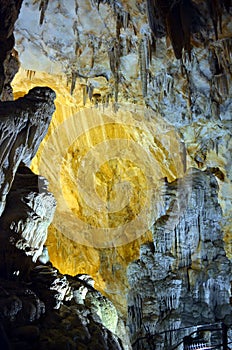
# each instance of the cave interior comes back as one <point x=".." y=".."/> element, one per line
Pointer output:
<point x="115" y="174"/>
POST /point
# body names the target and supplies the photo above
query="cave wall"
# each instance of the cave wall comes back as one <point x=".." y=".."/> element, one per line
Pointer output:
<point x="115" y="54"/>
<point x="39" y="307"/>
<point x="182" y="278"/>
<point x="9" y="64"/>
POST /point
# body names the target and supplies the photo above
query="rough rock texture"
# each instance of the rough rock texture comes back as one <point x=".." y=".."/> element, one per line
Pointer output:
<point x="48" y="313"/>
<point x="117" y="51"/>
<point x="111" y="51"/>
<point x="183" y="278"/>
<point x="9" y="11"/>
<point x="39" y="307"/>
<point x="23" y="125"/>
<point x="110" y="48"/>
<point x="28" y="212"/>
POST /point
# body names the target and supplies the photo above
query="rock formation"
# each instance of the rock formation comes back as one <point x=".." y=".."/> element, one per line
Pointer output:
<point x="39" y="307"/>
<point x="169" y="64"/>
<point x="24" y="124"/>
<point x="183" y="278"/>
<point x="9" y="64"/>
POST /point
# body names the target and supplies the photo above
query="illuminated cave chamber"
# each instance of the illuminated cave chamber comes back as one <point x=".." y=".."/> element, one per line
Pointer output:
<point x="143" y="101"/>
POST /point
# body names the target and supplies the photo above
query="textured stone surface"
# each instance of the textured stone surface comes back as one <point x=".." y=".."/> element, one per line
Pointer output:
<point x="104" y="265"/>
<point x="105" y="44"/>
<point x="28" y="213"/>
<point x="23" y="125"/>
<point x="105" y="51"/>
<point x="183" y="278"/>
<point x="47" y="314"/>
<point x="9" y="11"/>
<point x="39" y="307"/>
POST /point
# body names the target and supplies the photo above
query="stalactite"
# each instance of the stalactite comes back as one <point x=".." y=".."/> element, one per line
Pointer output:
<point x="114" y="60"/>
<point x="73" y="82"/>
<point x="220" y="59"/>
<point x="76" y="6"/>
<point x="154" y="19"/>
<point x="227" y="50"/>
<point x="227" y="4"/>
<point x="107" y="100"/>
<point x="220" y="83"/>
<point x="185" y="15"/>
<point x="215" y="12"/>
<point x="223" y="52"/>
<point x="90" y="91"/>
<point x="187" y="74"/>
<point x="163" y="84"/>
<point x="214" y="62"/>
<point x="124" y="19"/>
<point x="215" y="8"/>
<point x="78" y="49"/>
<point x="84" y="94"/>
<point x="184" y="155"/>
<point x="93" y="56"/>
<point x="30" y="74"/>
<point x="147" y="50"/>
<point x="174" y="30"/>
<point x="115" y="54"/>
<point x="42" y="8"/>
<point x="177" y="21"/>
<point x="143" y="66"/>
<point x="116" y="90"/>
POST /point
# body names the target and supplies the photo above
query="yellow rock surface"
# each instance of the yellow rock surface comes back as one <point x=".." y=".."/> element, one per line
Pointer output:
<point x="120" y="182"/>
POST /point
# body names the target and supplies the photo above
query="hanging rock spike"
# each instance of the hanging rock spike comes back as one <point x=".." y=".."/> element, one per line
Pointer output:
<point x="42" y="8"/>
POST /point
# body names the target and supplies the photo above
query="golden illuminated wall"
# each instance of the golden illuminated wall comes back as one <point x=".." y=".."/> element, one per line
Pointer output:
<point x="104" y="168"/>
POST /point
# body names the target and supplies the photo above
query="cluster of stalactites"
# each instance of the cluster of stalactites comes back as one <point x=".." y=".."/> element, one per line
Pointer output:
<point x="220" y="60"/>
<point x="122" y="20"/>
<point x="180" y="19"/>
